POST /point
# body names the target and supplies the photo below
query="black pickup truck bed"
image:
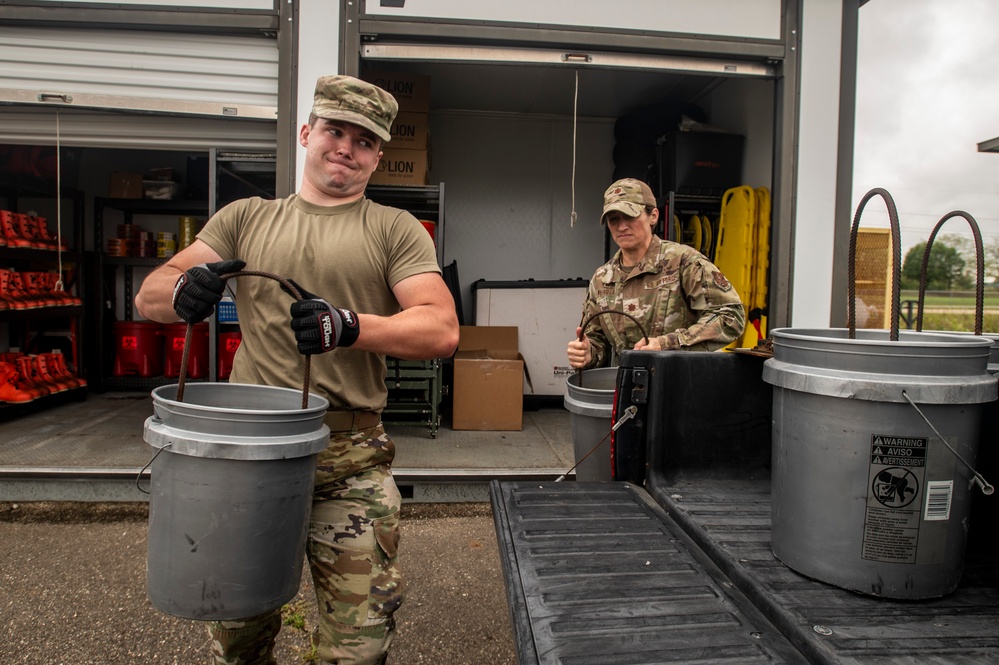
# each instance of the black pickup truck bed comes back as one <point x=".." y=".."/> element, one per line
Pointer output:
<point x="677" y="567"/>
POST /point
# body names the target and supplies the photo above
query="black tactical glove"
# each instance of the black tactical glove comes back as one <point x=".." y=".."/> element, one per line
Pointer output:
<point x="318" y="326"/>
<point x="199" y="289"/>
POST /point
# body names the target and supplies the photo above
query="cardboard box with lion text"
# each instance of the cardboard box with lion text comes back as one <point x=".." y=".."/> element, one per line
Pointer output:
<point x="399" y="166"/>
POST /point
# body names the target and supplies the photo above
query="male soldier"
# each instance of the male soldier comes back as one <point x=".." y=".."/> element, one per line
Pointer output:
<point x="681" y="299"/>
<point x="379" y="266"/>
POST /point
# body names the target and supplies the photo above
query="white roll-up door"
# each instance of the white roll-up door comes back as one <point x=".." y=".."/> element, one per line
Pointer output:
<point x="125" y="88"/>
<point x="96" y="129"/>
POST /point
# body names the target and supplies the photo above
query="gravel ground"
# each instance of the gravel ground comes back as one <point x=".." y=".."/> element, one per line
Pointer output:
<point x="72" y="590"/>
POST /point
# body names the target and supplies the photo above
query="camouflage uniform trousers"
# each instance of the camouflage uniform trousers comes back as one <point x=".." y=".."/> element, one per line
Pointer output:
<point x="353" y="554"/>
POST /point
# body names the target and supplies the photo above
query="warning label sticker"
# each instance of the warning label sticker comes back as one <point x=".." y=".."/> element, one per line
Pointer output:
<point x="898" y="451"/>
<point x="889" y="537"/>
<point x="891" y="526"/>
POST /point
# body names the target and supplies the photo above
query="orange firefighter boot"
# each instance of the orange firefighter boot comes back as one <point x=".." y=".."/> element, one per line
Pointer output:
<point x="56" y="362"/>
<point x="29" y="381"/>
<point x="64" y="368"/>
<point x="42" y="234"/>
<point x="15" y="288"/>
<point x="11" y="231"/>
<point x="14" y="299"/>
<point x="58" y="289"/>
<point x="36" y="285"/>
<point x="9" y="392"/>
<point x="45" y="371"/>
<point x="28" y="230"/>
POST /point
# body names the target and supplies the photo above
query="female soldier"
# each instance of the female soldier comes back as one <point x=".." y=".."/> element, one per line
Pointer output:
<point x="681" y="299"/>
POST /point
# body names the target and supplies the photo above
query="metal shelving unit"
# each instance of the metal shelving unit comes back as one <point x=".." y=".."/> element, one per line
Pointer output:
<point x="675" y="204"/>
<point x="231" y="176"/>
<point x="107" y="270"/>
<point x="421" y="201"/>
<point x="20" y="323"/>
<point x="415" y="387"/>
<point x="415" y="393"/>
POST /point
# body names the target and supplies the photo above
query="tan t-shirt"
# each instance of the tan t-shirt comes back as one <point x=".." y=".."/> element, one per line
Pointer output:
<point x="349" y="255"/>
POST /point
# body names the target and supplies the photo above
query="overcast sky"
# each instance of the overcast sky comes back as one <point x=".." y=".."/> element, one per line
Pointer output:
<point x="927" y="94"/>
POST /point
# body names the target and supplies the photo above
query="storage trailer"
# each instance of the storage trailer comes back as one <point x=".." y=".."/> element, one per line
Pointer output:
<point x="532" y="110"/>
<point x="532" y="105"/>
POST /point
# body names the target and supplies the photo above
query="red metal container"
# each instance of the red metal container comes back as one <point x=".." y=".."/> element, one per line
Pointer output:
<point x="138" y="348"/>
<point x="228" y="343"/>
<point x="197" y="360"/>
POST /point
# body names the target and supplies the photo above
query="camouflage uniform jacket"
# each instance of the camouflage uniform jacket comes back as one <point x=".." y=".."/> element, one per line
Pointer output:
<point x="674" y="292"/>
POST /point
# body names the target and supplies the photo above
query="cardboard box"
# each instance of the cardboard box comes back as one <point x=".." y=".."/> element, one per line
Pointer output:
<point x="488" y="380"/>
<point x="399" y="166"/>
<point x="125" y="186"/>
<point x="410" y="131"/>
<point x="412" y="91"/>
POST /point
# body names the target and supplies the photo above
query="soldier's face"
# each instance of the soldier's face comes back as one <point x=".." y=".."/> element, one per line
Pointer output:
<point x="340" y="157"/>
<point x="631" y="233"/>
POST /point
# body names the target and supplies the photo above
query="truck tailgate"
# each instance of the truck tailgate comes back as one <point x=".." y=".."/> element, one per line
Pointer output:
<point x="600" y="573"/>
<point x="730" y="521"/>
<point x="597" y="573"/>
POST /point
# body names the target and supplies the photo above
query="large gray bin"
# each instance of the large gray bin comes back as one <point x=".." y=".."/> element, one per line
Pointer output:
<point x="230" y="497"/>
<point x="865" y="496"/>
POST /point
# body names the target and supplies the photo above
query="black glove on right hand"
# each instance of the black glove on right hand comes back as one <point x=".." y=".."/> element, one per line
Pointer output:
<point x="200" y="288"/>
<point x="318" y="326"/>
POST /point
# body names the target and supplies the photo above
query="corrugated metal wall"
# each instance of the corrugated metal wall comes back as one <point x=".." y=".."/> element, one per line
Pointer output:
<point x="95" y="129"/>
<point x="147" y="74"/>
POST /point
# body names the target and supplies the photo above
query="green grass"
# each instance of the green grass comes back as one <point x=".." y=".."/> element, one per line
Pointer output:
<point x="952" y="299"/>
<point x="293" y="615"/>
<point x="957" y="322"/>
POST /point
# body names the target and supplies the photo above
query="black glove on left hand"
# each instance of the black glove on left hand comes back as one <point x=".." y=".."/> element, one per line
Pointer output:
<point x="200" y="288"/>
<point x="318" y="326"/>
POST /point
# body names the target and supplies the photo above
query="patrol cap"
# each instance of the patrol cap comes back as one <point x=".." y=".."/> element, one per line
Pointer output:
<point x="629" y="196"/>
<point x="355" y="101"/>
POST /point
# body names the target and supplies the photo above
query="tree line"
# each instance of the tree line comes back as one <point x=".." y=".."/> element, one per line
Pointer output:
<point x="951" y="265"/>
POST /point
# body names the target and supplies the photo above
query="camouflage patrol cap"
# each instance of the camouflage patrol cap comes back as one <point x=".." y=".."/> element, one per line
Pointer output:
<point x="355" y="101"/>
<point x="629" y="196"/>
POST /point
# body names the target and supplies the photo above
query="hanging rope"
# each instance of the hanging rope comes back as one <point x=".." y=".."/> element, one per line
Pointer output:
<point x="575" y="103"/>
<point x="58" y="284"/>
